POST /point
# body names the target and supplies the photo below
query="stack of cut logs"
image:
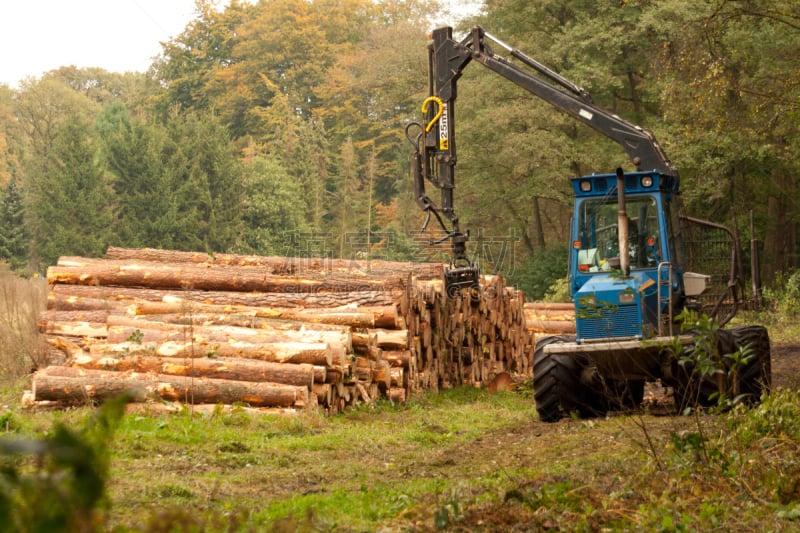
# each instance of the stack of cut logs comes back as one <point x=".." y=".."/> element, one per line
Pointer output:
<point x="272" y="332"/>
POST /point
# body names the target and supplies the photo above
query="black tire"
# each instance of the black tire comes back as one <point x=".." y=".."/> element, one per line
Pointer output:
<point x="690" y="389"/>
<point x="557" y="386"/>
<point x="754" y="378"/>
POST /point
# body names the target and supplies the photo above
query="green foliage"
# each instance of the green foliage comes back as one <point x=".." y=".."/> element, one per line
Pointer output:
<point x="71" y="202"/>
<point x="326" y="87"/>
<point x="536" y="276"/>
<point x="273" y="209"/>
<point x="58" y="482"/>
<point x="783" y="295"/>
<point x="558" y="291"/>
<point x="14" y="237"/>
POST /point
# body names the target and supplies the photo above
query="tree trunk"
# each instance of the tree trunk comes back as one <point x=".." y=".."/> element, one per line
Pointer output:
<point x="70" y="296"/>
<point x="208" y="277"/>
<point x="75" y="385"/>
<point x="279" y="265"/>
<point x="218" y="368"/>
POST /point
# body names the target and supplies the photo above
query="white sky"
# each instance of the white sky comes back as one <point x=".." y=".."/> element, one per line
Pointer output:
<point x="118" y="35"/>
<point x="37" y="36"/>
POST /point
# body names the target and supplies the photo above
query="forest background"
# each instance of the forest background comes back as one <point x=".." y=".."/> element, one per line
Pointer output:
<point x="277" y="128"/>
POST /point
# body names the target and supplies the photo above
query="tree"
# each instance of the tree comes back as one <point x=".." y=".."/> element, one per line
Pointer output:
<point x="730" y="92"/>
<point x="139" y="155"/>
<point x="209" y="184"/>
<point x="346" y="198"/>
<point x="10" y="138"/>
<point x="71" y="202"/>
<point x="14" y="238"/>
<point x="273" y="209"/>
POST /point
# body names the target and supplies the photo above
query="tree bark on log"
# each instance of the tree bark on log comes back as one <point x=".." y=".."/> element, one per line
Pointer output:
<point x="277" y="265"/>
<point x="239" y="369"/>
<point x="319" y="354"/>
<point x="207" y="277"/>
<point x="65" y="384"/>
<point x="64" y="296"/>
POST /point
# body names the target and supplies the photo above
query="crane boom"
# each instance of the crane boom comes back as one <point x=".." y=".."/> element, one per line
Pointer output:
<point x="436" y="157"/>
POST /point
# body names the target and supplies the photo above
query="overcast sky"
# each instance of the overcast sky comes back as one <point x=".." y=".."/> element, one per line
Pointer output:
<point x="118" y="35"/>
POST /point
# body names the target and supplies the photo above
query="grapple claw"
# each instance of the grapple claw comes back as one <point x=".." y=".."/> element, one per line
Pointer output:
<point x="464" y="277"/>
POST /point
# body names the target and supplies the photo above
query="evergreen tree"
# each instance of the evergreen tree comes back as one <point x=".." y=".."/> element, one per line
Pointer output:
<point x="71" y="201"/>
<point x="209" y="176"/>
<point x="14" y="238"/>
<point x="139" y="154"/>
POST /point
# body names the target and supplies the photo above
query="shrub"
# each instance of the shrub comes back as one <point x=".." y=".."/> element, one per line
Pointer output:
<point x="784" y="294"/>
<point x="58" y="483"/>
<point x="21" y="345"/>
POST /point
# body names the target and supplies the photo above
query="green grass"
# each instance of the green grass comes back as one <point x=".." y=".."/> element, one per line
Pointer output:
<point x="463" y="458"/>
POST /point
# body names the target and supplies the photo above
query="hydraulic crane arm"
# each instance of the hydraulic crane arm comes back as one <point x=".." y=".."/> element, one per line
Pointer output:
<point x="435" y="157"/>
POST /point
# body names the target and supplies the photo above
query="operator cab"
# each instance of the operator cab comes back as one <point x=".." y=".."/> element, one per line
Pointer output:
<point x="614" y="305"/>
<point x="597" y="244"/>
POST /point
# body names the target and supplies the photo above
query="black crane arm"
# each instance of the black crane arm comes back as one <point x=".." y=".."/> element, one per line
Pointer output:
<point x="435" y="157"/>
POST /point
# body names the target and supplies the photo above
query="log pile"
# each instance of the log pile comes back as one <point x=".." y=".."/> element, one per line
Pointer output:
<point x="550" y="318"/>
<point x="270" y="331"/>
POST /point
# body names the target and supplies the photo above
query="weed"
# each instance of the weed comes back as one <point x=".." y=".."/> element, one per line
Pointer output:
<point x="22" y="347"/>
<point x="783" y="296"/>
<point x="63" y="487"/>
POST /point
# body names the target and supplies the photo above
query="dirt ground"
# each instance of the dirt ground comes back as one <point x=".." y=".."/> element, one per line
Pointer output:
<point x="786" y="365"/>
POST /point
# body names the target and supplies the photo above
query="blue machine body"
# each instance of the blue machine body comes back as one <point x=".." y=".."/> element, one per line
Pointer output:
<point x="608" y="303"/>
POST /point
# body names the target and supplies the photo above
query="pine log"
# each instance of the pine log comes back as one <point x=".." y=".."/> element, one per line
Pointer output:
<point x="208" y="277"/>
<point x="218" y="368"/>
<point x="68" y="384"/>
<point x="550" y="306"/>
<point x="319" y="353"/>
<point x="70" y="296"/>
<point x="397" y="394"/>
<point x="397" y="358"/>
<point x="277" y="265"/>
<point x="120" y="329"/>
<point x="95" y="330"/>
<point x="360" y="317"/>
<point x="550" y="326"/>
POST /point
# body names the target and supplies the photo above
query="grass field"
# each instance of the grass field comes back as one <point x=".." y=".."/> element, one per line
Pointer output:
<point x="460" y="460"/>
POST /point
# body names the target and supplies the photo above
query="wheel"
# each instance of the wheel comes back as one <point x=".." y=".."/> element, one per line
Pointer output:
<point x="558" y="387"/>
<point x="755" y="377"/>
<point x="691" y="387"/>
<point x="748" y="382"/>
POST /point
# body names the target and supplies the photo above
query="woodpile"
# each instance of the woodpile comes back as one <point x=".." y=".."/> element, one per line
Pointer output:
<point x="272" y="332"/>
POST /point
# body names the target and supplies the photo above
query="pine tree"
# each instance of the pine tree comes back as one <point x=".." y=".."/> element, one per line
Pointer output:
<point x="14" y="237"/>
<point x="209" y="182"/>
<point x="71" y="203"/>
<point x="138" y="154"/>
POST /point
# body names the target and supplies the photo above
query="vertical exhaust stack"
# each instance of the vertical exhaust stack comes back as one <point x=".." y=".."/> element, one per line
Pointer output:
<point x="622" y="225"/>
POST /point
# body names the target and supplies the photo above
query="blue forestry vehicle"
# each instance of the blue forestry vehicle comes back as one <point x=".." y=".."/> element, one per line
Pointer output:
<point x="628" y="273"/>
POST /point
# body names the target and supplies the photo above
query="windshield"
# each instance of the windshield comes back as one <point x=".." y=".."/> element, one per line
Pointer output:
<point x="597" y="233"/>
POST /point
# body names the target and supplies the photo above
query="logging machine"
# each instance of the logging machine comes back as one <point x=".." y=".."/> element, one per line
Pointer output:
<point x="628" y="275"/>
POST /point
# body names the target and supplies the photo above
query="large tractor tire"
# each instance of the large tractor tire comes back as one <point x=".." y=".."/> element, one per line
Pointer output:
<point x="691" y="388"/>
<point x="558" y="383"/>
<point x="746" y="383"/>
<point x="754" y="378"/>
